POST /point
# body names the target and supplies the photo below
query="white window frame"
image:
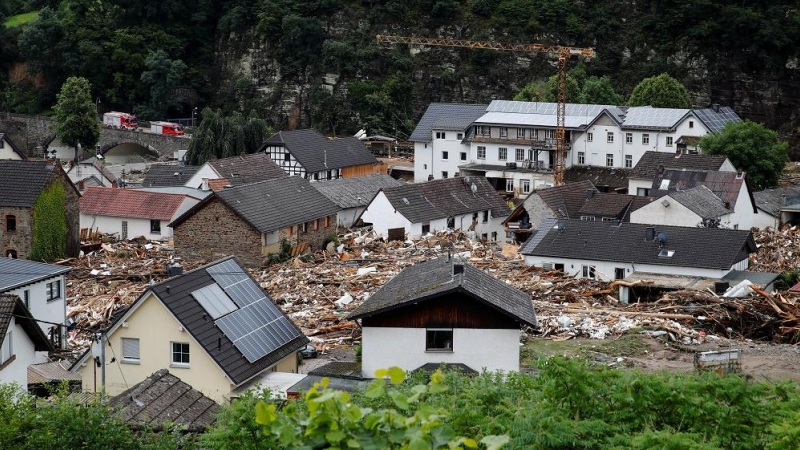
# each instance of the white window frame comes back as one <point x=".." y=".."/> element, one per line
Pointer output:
<point x="172" y="353"/>
<point x="502" y="153"/>
<point x="629" y="138"/>
<point x="503" y="132"/>
<point x="519" y="154"/>
<point x="610" y="137"/>
<point x="7" y="349"/>
<point x="581" y="158"/>
<point x="520" y="133"/>
<point x="445" y="155"/>
<point x="534" y="134"/>
<point x="481" y="152"/>
<point x="509" y="185"/>
<point x="628" y="161"/>
<point x="589" y="137"/>
<point x="609" y="160"/>
<point x="526" y="186"/>
<point x="669" y="141"/>
<point x="459" y="136"/>
<point x="589" y="218"/>
<point x="646" y="139"/>
<point x="549" y="134"/>
<point x="130" y="357"/>
<point x="53" y="292"/>
<point x="589" y="272"/>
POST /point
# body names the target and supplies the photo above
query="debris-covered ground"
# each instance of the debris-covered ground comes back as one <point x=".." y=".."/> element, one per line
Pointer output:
<point x="319" y="290"/>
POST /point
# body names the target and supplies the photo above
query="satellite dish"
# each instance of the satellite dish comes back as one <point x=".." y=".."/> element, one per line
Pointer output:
<point x="661" y="237"/>
<point x="474" y="188"/>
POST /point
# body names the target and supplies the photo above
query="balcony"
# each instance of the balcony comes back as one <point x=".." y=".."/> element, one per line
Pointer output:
<point x="543" y="144"/>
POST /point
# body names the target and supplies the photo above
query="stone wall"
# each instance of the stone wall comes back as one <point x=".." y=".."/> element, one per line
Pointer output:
<point x="164" y="146"/>
<point x="215" y="231"/>
<point x="316" y="237"/>
<point x="19" y="240"/>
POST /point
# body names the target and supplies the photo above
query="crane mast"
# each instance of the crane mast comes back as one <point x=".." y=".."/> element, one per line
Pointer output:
<point x="563" y="53"/>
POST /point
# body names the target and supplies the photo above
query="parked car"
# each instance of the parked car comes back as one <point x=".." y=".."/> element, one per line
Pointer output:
<point x="309" y="352"/>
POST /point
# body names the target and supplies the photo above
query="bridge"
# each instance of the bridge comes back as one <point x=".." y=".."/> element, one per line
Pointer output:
<point x="33" y="134"/>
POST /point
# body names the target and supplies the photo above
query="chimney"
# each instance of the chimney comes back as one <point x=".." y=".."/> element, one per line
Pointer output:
<point x="204" y="186"/>
<point x="783" y="199"/>
<point x="589" y="194"/>
<point x="430" y="177"/>
<point x="678" y="153"/>
<point x="458" y="268"/>
<point x="715" y="107"/>
<point x="649" y="233"/>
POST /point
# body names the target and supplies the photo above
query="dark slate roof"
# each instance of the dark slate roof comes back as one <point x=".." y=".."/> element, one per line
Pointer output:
<point x="712" y="248"/>
<point x="637" y="202"/>
<point x="316" y="153"/>
<point x="566" y="200"/>
<point x="346" y="192"/>
<point x="606" y="204"/>
<point x="446" y="116"/>
<point x="434" y="278"/>
<point x="13" y="147"/>
<point x="50" y="372"/>
<point x="761" y="279"/>
<point x="163" y="397"/>
<point x="21" y="182"/>
<point x="701" y="201"/>
<point x="613" y="178"/>
<point x="438" y="199"/>
<point x="725" y="185"/>
<point x="11" y="306"/>
<point x="176" y="294"/>
<point x="15" y="273"/>
<point x="716" y="120"/>
<point x="246" y="169"/>
<point x="338" y="383"/>
<point x="771" y="200"/>
<point x="273" y="204"/>
<point x="652" y="162"/>
<point x="339" y="369"/>
<point x="168" y="175"/>
<point x="461" y="368"/>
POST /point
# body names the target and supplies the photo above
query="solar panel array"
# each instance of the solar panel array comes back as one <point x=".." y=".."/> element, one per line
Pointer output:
<point x="716" y="121"/>
<point x="236" y="283"/>
<point x="647" y="117"/>
<point x="214" y="301"/>
<point x="258" y="329"/>
<point x="571" y="109"/>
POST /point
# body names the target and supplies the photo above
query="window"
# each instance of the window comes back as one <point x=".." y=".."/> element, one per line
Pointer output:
<point x="54" y="290"/>
<point x="444" y="174"/>
<point x="303" y="227"/>
<point x="439" y="339"/>
<point x="11" y="253"/>
<point x="629" y="138"/>
<point x="475" y="217"/>
<point x="610" y="160"/>
<point x="520" y="133"/>
<point x="589" y="137"/>
<point x="481" y="152"/>
<point x="441" y="135"/>
<point x="330" y="175"/>
<point x="645" y="139"/>
<point x="509" y="185"/>
<point x="503" y="132"/>
<point x="426" y="228"/>
<point x="588" y="272"/>
<point x="445" y="155"/>
<point x="130" y="350"/>
<point x="460" y="136"/>
<point x="155" y="226"/>
<point x="526" y="186"/>
<point x="483" y="130"/>
<point x="11" y="223"/>
<point x="26" y="297"/>
<point x="486" y="216"/>
<point x="549" y="134"/>
<point x="610" y="137"/>
<point x="327" y="221"/>
<point x="463" y="156"/>
<point x="78" y="170"/>
<point x="502" y="153"/>
<point x="669" y="141"/>
<point x="691" y="124"/>
<point x="180" y="354"/>
<point x="588" y="218"/>
<point x="581" y="158"/>
<point x="316" y="224"/>
<point x="628" y="161"/>
<point x="619" y="273"/>
<point x="535" y="134"/>
<point x="494" y="236"/>
<point x="7" y="351"/>
<point x="533" y="155"/>
<point x="520" y="154"/>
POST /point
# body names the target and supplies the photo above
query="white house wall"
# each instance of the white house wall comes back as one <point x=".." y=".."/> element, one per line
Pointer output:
<point x="136" y="227"/>
<point x="675" y="214"/>
<point x="428" y="156"/>
<point x="40" y="308"/>
<point x="605" y="269"/>
<point x="196" y="181"/>
<point x="25" y="352"/>
<point x="383" y="217"/>
<point x="81" y="172"/>
<point x="6" y="152"/>
<point x="346" y="217"/>
<point x="492" y="349"/>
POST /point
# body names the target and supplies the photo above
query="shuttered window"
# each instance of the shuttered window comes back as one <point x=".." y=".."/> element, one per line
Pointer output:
<point x="130" y="349"/>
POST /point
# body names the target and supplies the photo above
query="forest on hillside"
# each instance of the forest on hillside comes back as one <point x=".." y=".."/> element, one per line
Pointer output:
<point x="317" y="63"/>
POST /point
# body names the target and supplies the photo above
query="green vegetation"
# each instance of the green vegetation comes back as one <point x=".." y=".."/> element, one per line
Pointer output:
<point x="750" y="147"/>
<point x="50" y="224"/>
<point x="21" y="19"/>
<point x="76" y="115"/>
<point x="662" y="91"/>
<point x="222" y="136"/>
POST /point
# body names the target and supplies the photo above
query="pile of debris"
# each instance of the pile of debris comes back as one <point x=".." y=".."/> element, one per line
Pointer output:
<point x="778" y="250"/>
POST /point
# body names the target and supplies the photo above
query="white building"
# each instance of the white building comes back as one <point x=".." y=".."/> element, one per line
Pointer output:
<point x="694" y="207"/>
<point x="233" y="171"/>
<point x="20" y="340"/>
<point x="353" y="194"/>
<point x="91" y="172"/>
<point x="513" y="143"/>
<point x="8" y="150"/>
<point x="131" y="213"/>
<point x="42" y="289"/>
<point x="414" y="210"/>
<point x="443" y="311"/>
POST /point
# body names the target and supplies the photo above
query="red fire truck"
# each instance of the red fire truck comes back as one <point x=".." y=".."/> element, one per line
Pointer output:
<point x="166" y="128"/>
<point x="121" y="120"/>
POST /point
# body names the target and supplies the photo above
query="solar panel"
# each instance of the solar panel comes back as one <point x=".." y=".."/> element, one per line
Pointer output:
<point x="236" y="283"/>
<point x="716" y="121"/>
<point x="214" y="301"/>
<point x="258" y="329"/>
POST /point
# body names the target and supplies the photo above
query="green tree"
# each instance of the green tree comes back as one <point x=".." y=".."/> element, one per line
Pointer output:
<point x="163" y="75"/>
<point x="76" y="114"/>
<point x="220" y="136"/>
<point x="661" y="91"/>
<point x="751" y="147"/>
<point x="599" y="91"/>
<point x="535" y="91"/>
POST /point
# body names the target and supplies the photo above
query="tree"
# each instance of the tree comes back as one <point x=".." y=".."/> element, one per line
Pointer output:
<point x="220" y="136"/>
<point x="76" y="114"/>
<point x="163" y="75"/>
<point x="535" y="91"/>
<point x="751" y="147"/>
<point x="661" y="91"/>
<point x="599" y="91"/>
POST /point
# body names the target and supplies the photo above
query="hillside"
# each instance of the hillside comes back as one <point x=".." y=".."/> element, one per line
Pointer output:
<point x="301" y="63"/>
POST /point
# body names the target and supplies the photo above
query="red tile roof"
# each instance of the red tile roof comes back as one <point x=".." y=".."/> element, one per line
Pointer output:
<point x="218" y="185"/>
<point x="116" y="202"/>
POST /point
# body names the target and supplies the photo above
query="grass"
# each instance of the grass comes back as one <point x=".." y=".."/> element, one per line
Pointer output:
<point x="628" y="345"/>
<point x="21" y="19"/>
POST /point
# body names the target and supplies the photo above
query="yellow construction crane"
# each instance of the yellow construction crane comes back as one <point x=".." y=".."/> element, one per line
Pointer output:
<point x="562" y="52"/>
